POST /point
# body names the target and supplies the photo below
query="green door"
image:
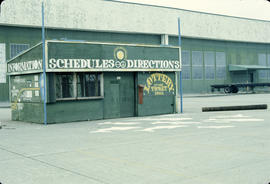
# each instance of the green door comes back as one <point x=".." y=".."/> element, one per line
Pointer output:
<point x="114" y="111"/>
<point x="127" y="97"/>
<point x="119" y="97"/>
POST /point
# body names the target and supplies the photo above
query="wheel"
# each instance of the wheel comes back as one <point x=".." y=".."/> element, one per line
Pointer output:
<point x="227" y="89"/>
<point x="234" y="89"/>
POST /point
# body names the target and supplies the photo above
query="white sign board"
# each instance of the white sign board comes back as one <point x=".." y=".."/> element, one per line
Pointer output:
<point x="3" y="66"/>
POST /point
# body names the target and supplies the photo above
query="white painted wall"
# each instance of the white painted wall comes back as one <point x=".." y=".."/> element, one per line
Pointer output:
<point x="123" y="17"/>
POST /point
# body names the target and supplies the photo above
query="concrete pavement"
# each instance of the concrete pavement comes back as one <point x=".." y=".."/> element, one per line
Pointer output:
<point x="215" y="148"/>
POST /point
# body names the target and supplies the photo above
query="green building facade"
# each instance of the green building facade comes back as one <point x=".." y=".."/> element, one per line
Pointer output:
<point x="204" y="62"/>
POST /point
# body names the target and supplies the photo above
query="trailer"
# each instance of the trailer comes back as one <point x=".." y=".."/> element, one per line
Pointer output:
<point x="234" y="88"/>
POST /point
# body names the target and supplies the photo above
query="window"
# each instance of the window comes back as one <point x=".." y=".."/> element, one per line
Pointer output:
<point x="220" y="65"/>
<point x="78" y="85"/>
<point x="16" y="49"/>
<point x="185" y="64"/>
<point x="209" y="62"/>
<point x="197" y="65"/>
<point x="262" y="62"/>
<point x="65" y="85"/>
<point x="88" y="84"/>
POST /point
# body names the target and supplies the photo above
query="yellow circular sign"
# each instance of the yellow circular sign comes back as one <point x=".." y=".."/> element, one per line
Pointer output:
<point x="120" y="55"/>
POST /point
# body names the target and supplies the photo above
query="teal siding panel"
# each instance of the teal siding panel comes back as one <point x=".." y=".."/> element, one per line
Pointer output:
<point x="80" y="110"/>
<point x="4" y="92"/>
<point x="239" y="53"/>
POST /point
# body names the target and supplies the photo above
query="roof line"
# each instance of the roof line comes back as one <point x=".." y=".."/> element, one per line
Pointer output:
<point x="129" y="32"/>
<point x="167" y="7"/>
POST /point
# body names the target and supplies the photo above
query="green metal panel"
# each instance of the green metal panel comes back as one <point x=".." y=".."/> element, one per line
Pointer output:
<point x="83" y="56"/>
<point x="26" y="98"/>
<point x="17" y="35"/>
<point x="157" y="98"/>
<point x="127" y="95"/>
<point x="51" y="88"/>
<point x="238" y="53"/>
<point x="240" y="77"/>
<point x="30" y="112"/>
<point x="247" y="67"/>
<point x="28" y="62"/>
<point x="25" y="88"/>
<point x="112" y="101"/>
<point x="80" y="110"/>
<point x="156" y="105"/>
<point x="119" y="95"/>
<point x="4" y="92"/>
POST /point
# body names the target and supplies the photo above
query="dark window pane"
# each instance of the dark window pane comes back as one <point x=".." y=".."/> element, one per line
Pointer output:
<point x="80" y="85"/>
<point x="64" y="86"/>
<point x="88" y="84"/>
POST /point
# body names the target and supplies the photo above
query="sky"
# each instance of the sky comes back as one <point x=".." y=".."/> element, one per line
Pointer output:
<point x="254" y="9"/>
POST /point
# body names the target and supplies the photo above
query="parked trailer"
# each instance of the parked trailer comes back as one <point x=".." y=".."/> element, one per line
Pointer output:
<point x="234" y="88"/>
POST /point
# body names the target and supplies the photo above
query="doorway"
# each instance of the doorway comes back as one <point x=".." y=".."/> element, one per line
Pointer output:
<point x="119" y="95"/>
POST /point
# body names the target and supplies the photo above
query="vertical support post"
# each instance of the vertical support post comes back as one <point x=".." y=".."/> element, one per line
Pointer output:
<point x="180" y="73"/>
<point x="44" y="67"/>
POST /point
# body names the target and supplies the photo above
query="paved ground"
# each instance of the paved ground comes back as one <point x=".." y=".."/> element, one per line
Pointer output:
<point x="191" y="148"/>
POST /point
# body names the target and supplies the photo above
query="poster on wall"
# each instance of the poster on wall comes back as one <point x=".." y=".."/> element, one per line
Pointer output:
<point x="158" y="84"/>
<point x="3" y="67"/>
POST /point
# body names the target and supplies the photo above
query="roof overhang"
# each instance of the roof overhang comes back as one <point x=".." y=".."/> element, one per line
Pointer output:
<point x="80" y="56"/>
<point x="237" y="68"/>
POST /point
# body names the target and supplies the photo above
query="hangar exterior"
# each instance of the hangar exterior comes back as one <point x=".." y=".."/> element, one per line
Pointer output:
<point x="211" y="44"/>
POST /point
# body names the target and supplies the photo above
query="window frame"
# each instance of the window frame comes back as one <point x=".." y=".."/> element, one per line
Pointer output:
<point x="199" y="65"/>
<point x="262" y="74"/>
<point x="75" y="88"/>
<point x="221" y="66"/>
<point x="21" y="44"/>
<point x="184" y="65"/>
<point x="206" y="65"/>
